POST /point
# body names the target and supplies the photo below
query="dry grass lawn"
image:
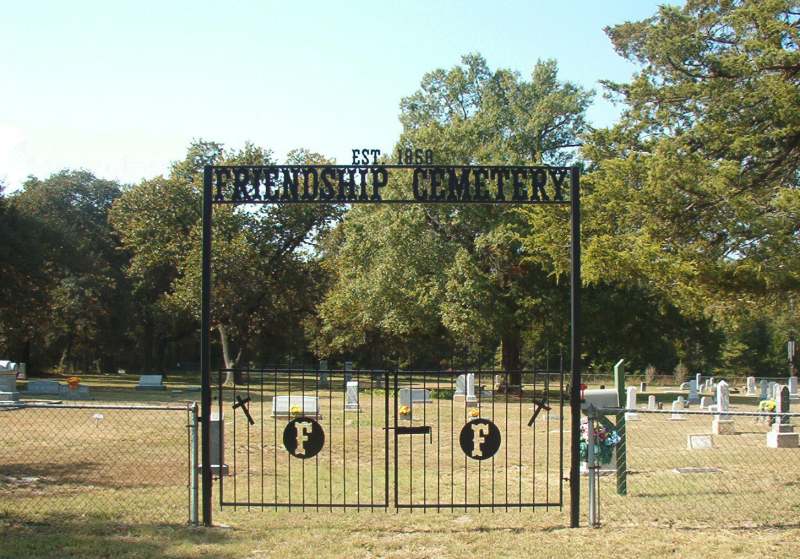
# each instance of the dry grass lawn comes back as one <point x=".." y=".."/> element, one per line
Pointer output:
<point x="73" y="485"/>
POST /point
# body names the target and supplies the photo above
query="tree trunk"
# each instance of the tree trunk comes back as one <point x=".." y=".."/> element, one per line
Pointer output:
<point x="149" y="333"/>
<point x="512" y="346"/>
<point x="231" y="377"/>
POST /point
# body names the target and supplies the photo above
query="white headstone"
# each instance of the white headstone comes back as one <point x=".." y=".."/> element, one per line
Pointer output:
<point x="307" y="406"/>
<point x="351" y="396"/>
<point x="701" y="441"/>
<point x="630" y="403"/>
<point x="792" y="386"/>
<point x="722" y="424"/>
<point x="471" y="388"/>
<point x="698" y="381"/>
<point x="681" y="402"/>
<point x="676" y="415"/>
<point x="751" y="386"/>
<point x="772" y="390"/>
<point x="461" y="385"/>
<point x="706" y="401"/>
<point x="651" y="402"/>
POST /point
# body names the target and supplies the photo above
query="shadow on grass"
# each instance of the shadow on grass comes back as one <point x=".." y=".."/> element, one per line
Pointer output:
<point x="37" y="475"/>
<point x="89" y="536"/>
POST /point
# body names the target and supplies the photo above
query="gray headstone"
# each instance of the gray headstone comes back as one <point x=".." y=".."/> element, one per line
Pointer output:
<point x="764" y="385"/>
<point x="8" y="381"/>
<point x="411" y="396"/>
<point x="792" y="386"/>
<point x="706" y="401"/>
<point x="151" y="382"/>
<point x="77" y="393"/>
<point x="43" y="387"/>
<point x="217" y="440"/>
<point x="782" y="405"/>
<point x="348" y="375"/>
<point x="693" y="395"/>
<point x="723" y="400"/>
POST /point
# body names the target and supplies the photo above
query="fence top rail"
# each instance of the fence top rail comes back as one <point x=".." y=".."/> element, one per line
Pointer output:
<point x="55" y="405"/>
<point x="454" y="371"/>
<point x="614" y="411"/>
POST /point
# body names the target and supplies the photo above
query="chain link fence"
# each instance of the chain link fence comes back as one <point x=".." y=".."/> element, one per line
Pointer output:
<point x="126" y="463"/>
<point x="679" y="473"/>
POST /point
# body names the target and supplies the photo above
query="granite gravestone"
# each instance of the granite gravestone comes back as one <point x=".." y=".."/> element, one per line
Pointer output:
<point x="782" y="434"/>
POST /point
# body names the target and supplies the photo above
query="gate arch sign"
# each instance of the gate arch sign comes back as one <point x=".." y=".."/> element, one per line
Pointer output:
<point x="414" y="179"/>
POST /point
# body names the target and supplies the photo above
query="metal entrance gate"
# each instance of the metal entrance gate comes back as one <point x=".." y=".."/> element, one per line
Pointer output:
<point x="362" y="183"/>
<point x="370" y="439"/>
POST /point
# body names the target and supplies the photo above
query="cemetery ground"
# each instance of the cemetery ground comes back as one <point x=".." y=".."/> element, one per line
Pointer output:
<point x="76" y="486"/>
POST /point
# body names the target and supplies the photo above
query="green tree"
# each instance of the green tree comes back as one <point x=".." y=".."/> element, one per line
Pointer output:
<point x="80" y="290"/>
<point x="419" y="272"/>
<point x="262" y="267"/>
<point x="696" y="187"/>
<point x="693" y="193"/>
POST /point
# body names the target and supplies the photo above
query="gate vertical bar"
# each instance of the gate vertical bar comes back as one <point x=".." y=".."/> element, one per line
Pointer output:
<point x="205" y="351"/>
<point x="575" y="346"/>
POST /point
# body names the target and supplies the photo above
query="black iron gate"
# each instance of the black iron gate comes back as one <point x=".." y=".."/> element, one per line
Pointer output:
<point x="371" y="439"/>
<point x="362" y="183"/>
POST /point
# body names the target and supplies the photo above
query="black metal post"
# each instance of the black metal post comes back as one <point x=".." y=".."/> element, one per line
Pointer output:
<point x="205" y="350"/>
<point x="575" y="348"/>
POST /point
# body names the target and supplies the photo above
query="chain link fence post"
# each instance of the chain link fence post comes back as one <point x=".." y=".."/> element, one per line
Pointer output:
<point x="194" y="465"/>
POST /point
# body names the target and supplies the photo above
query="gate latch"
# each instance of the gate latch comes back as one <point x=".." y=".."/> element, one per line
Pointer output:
<point x="415" y="430"/>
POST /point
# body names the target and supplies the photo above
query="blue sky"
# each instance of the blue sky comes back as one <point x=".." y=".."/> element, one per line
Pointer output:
<point x="121" y="88"/>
